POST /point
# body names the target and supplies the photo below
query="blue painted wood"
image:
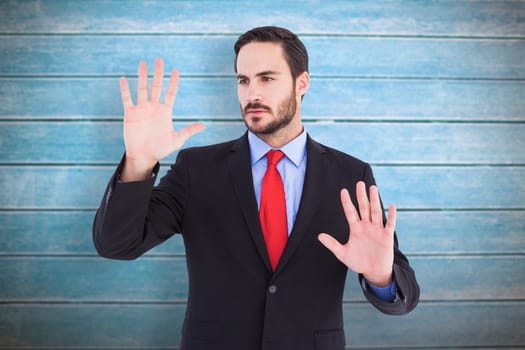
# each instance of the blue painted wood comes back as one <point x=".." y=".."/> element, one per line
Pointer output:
<point x="458" y="182"/>
<point x="456" y="325"/>
<point x="213" y="55"/>
<point x="67" y="326"/>
<point x="93" y="279"/>
<point x="37" y="233"/>
<point x="449" y="17"/>
<point x="162" y="279"/>
<point x="153" y="326"/>
<point x="460" y="232"/>
<point x="384" y="142"/>
<point x="209" y="98"/>
<point x="88" y="142"/>
<point x="410" y="187"/>
<point x="452" y="187"/>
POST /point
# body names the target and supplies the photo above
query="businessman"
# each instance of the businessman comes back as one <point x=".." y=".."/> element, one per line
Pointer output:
<point x="271" y="221"/>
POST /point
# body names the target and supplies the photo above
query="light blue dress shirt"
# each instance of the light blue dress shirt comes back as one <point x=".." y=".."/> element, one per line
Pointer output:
<point x="292" y="168"/>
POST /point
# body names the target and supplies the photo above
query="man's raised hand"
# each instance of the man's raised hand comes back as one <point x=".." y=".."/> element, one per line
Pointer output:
<point x="148" y="128"/>
<point x="370" y="247"/>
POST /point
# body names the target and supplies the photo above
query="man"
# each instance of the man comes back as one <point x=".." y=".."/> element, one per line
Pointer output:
<point x="269" y="236"/>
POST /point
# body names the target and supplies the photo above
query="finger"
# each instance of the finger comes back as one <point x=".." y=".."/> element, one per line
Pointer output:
<point x="179" y="138"/>
<point x="171" y="93"/>
<point x="362" y="201"/>
<point x="142" y="93"/>
<point x="375" y="206"/>
<point x="127" y="102"/>
<point x="332" y="245"/>
<point x="348" y="207"/>
<point x="156" y="83"/>
<point x="391" y="219"/>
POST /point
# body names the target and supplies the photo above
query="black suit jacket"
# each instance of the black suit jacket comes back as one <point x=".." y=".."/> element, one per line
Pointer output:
<point x="235" y="301"/>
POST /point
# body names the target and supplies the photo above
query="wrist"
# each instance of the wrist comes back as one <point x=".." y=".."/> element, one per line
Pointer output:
<point x="380" y="280"/>
<point x="137" y="169"/>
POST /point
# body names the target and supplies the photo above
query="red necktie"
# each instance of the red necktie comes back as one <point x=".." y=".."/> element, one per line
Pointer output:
<point x="272" y="212"/>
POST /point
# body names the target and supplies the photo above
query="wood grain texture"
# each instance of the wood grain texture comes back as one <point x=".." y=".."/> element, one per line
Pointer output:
<point x="444" y="18"/>
<point x="162" y="279"/>
<point x="432" y="93"/>
<point x="92" y="142"/>
<point x="410" y="187"/>
<point x="55" y="233"/>
<point x="207" y="98"/>
<point x="141" y="326"/>
<point x="197" y="55"/>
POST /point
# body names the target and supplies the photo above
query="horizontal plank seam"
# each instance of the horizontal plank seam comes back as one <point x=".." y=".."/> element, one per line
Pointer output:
<point x="93" y="209"/>
<point x="232" y="77"/>
<point x="306" y="119"/>
<point x="491" y="347"/>
<point x="234" y="35"/>
<point x="433" y="347"/>
<point x="406" y="210"/>
<point x="485" y="347"/>
<point x="236" y="120"/>
<point x="466" y="347"/>
<point x="178" y="256"/>
<point x="22" y="164"/>
<point x="120" y="302"/>
<point x="375" y="164"/>
<point x="68" y="347"/>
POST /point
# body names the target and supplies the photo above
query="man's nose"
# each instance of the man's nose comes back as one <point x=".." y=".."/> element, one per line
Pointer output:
<point x="254" y="94"/>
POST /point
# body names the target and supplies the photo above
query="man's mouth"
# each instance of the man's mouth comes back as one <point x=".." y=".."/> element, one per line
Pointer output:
<point x="255" y="108"/>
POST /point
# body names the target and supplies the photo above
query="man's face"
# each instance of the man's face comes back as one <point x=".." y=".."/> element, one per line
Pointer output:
<point x="265" y="88"/>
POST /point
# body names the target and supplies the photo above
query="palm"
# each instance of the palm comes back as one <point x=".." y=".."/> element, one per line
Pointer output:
<point x="148" y="127"/>
<point x="147" y="131"/>
<point x="370" y="247"/>
<point x="366" y="248"/>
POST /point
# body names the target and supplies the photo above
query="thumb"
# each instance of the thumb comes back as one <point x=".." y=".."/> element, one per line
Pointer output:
<point x="332" y="245"/>
<point x="179" y="138"/>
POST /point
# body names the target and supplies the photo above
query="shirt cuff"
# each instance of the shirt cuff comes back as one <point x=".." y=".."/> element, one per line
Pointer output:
<point x="387" y="293"/>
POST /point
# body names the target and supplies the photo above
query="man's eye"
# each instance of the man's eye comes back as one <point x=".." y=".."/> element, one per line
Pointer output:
<point x="241" y="81"/>
<point x="267" y="79"/>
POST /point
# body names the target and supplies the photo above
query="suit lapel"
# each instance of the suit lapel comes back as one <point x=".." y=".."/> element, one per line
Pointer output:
<point x="239" y="165"/>
<point x="310" y="196"/>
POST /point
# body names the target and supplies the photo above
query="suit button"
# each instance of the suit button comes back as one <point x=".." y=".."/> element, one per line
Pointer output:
<point x="272" y="289"/>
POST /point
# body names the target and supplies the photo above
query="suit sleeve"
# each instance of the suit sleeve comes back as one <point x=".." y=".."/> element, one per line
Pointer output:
<point x="407" y="286"/>
<point x="134" y="217"/>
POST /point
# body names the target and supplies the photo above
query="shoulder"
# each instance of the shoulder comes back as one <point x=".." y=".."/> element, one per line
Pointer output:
<point x="215" y="148"/>
<point x="333" y="154"/>
<point x="212" y="150"/>
<point x="342" y="168"/>
<point x="211" y="157"/>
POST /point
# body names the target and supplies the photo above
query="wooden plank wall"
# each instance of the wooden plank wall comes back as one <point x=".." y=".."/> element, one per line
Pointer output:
<point x="432" y="93"/>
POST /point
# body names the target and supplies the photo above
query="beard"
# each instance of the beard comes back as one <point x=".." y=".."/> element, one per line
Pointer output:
<point x="285" y="113"/>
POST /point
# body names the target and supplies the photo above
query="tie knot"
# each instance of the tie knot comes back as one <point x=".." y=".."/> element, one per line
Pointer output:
<point x="274" y="156"/>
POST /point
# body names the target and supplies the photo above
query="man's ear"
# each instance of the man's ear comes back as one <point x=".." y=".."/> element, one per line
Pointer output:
<point x="302" y="83"/>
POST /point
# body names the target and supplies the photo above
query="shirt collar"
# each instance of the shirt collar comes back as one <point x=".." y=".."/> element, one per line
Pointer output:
<point x="294" y="150"/>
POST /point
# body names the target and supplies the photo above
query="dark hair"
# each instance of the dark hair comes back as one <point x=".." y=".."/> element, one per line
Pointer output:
<point x="295" y="52"/>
